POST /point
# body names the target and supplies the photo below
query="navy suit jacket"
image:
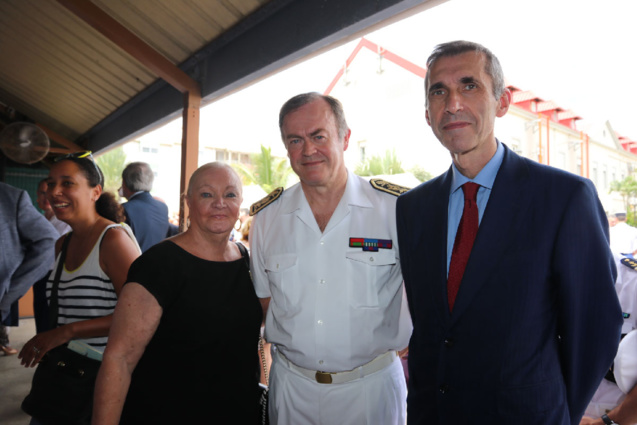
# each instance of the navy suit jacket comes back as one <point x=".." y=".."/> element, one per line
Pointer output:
<point x="27" y="242"/>
<point x="148" y="218"/>
<point x="536" y="322"/>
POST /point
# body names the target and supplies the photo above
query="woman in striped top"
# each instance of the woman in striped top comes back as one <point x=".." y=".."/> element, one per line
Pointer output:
<point x="98" y="256"/>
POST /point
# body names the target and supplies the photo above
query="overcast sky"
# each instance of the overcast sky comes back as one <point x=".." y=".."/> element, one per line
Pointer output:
<point x="580" y="54"/>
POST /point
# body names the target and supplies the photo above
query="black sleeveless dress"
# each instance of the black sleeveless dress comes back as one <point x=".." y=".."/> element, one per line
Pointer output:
<point x="202" y="364"/>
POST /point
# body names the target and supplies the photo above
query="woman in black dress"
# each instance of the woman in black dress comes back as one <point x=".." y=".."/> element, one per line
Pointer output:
<point x="183" y="344"/>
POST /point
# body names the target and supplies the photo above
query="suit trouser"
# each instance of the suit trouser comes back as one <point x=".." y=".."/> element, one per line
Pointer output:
<point x="376" y="399"/>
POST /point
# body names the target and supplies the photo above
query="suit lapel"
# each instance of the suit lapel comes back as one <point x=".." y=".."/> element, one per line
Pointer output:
<point x="497" y="229"/>
<point x="434" y="237"/>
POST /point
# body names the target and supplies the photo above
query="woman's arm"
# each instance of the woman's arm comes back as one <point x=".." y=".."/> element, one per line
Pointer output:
<point x="117" y="253"/>
<point x="135" y="321"/>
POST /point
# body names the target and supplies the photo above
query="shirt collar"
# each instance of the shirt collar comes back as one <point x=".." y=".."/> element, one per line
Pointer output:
<point x="353" y="195"/>
<point x="485" y="177"/>
<point x="135" y="194"/>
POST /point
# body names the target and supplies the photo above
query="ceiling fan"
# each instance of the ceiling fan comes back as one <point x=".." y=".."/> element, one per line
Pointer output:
<point x="24" y="142"/>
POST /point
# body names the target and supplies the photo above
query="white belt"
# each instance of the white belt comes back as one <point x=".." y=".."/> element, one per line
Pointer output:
<point x="375" y="365"/>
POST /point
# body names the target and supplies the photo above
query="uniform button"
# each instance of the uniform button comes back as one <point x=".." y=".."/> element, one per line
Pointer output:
<point x="449" y="342"/>
<point x="322" y="242"/>
<point x="444" y="388"/>
<point x="320" y="361"/>
<point x="320" y="322"/>
<point x="322" y="281"/>
<point x="371" y="259"/>
<point x="277" y="266"/>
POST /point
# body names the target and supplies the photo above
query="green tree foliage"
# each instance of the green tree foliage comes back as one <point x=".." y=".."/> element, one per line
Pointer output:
<point x="266" y="170"/>
<point x="377" y="165"/>
<point x="420" y="173"/>
<point x="627" y="188"/>
<point x="112" y="164"/>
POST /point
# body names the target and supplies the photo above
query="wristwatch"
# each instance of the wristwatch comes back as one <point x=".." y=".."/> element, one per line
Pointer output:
<point x="608" y="421"/>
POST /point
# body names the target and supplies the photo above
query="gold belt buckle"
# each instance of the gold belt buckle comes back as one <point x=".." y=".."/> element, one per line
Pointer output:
<point x="323" y="377"/>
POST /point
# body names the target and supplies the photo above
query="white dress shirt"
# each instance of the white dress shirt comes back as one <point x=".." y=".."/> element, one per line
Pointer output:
<point x="333" y="307"/>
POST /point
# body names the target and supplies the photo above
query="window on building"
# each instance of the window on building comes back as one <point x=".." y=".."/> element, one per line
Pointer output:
<point x="562" y="160"/>
<point x="515" y="145"/>
<point x="605" y="177"/>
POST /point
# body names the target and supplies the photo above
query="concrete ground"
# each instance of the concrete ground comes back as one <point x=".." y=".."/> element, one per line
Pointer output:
<point x="15" y="380"/>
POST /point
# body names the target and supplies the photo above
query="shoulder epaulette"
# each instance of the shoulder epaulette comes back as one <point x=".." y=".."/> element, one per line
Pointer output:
<point x="259" y="205"/>
<point x="388" y="187"/>
<point x="629" y="262"/>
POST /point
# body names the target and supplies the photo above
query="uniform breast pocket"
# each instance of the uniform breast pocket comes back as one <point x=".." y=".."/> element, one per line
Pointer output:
<point x="368" y="273"/>
<point x="283" y="276"/>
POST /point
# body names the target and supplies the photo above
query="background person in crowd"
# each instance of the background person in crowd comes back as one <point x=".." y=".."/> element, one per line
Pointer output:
<point x="27" y="251"/>
<point x="520" y="325"/>
<point x="612" y="220"/>
<point x="326" y="252"/>
<point x="623" y="237"/>
<point x="245" y="232"/>
<point x="183" y="348"/>
<point x="612" y="398"/>
<point x="147" y="216"/>
<point x="40" y="305"/>
<point x="45" y="206"/>
<point x="615" y="402"/>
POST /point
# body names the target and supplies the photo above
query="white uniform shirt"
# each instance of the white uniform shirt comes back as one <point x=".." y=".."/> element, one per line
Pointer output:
<point x="626" y="287"/>
<point x="333" y="307"/>
<point x="623" y="238"/>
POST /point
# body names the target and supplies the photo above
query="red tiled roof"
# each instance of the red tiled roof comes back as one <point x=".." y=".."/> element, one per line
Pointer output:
<point x="548" y="106"/>
<point x="523" y="96"/>
<point x="568" y="115"/>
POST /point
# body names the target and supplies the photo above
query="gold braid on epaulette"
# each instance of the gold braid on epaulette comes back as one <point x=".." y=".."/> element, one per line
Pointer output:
<point x="628" y="262"/>
<point x="388" y="187"/>
<point x="259" y="205"/>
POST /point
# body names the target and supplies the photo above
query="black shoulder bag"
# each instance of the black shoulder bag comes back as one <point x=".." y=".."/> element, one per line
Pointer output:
<point x="64" y="381"/>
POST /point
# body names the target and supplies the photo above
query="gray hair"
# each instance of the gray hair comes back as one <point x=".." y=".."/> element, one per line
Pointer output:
<point x="454" y="48"/>
<point x="138" y="176"/>
<point x="303" y="99"/>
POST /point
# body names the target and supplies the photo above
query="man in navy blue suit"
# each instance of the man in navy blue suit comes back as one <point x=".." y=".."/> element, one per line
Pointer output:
<point x="147" y="216"/>
<point x="531" y="323"/>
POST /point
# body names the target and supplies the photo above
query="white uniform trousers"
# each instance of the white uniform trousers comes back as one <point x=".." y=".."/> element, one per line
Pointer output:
<point x="607" y="397"/>
<point x="376" y="399"/>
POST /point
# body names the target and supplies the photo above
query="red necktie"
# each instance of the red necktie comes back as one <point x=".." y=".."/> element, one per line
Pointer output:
<point x="467" y="231"/>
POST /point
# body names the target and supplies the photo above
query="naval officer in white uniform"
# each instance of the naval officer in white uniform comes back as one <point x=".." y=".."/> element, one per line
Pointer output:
<point x="325" y="259"/>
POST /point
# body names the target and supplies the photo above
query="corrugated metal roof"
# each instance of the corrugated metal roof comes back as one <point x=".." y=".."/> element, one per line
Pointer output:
<point x="65" y="75"/>
<point x="94" y="72"/>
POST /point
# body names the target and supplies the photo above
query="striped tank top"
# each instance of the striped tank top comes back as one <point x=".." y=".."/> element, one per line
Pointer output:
<point x="86" y="292"/>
